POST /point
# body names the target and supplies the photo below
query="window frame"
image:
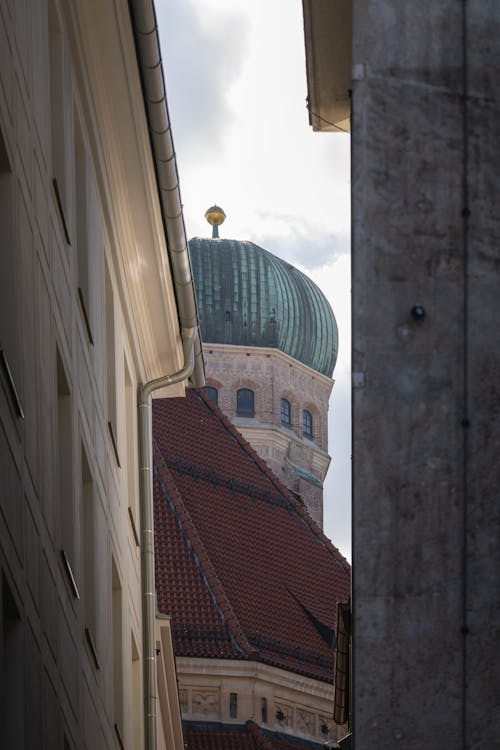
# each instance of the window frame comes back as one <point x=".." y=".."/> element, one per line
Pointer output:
<point x="233" y="705"/>
<point x="285" y="412"/>
<point x="307" y="429"/>
<point x="243" y="411"/>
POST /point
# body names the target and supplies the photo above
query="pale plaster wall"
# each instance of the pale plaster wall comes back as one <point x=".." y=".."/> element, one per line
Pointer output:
<point x="57" y="692"/>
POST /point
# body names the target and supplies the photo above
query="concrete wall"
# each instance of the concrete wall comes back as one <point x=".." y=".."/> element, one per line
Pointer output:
<point x="272" y="376"/>
<point x="426" y="392"/>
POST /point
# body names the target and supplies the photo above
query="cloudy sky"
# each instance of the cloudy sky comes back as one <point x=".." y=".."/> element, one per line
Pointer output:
<point x="235" y="74"/>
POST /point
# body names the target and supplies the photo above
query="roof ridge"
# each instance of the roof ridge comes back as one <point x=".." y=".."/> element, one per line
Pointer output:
<point x="294" y="500"/>
<point x="213" y="582"/>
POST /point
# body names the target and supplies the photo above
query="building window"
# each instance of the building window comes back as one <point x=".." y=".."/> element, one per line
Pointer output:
<point x="111" y="360"/>
<point x="136" y="695"/>
<point x="9" y="282"/>
<point x="286" y="412"/>
<point x="88" y="545"/>
<point x="212" y="393"/>
<point x="245" y="403"/>
<point x="81" y="221"/>
<point x="12" y="660"/>
<point x="263" y="710"/>
<point x="65" y="466"/>
<point x="58" y="114"/>
<point x="233" y="705"/>
<point x="131" y="451"/>
<point x="116" y="629"/>
<point x="307" y="424"/>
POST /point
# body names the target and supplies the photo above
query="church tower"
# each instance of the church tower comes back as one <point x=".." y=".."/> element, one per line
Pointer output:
<point x="270" y="346"/>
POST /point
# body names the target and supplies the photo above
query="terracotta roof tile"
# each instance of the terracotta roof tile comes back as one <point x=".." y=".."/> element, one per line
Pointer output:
<point x="214" y="736"/>
<point x="240" y="566"/>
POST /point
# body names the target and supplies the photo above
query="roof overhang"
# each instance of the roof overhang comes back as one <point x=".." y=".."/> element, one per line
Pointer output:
<point x="145" y="29"/>
<point x="124" y="103"/>
<point x="328" y="43"/>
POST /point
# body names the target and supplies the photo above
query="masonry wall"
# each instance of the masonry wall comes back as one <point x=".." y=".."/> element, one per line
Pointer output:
<point x="425" y="154"/>
<point x="70" y="635"/>
<point x="295" y="705"/>
<point x="273" y="376"/>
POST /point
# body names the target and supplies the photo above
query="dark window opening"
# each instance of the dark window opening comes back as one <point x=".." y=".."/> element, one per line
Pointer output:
<point x="307" y="424"/>
<point x="263" y="710"/>
<point x="286" y="412"/>
<point x="212" y="393"/>
<point x="117" y="653"/>
<point x="11" y="655"/>
<point x="233" y="705"/>
<point x="245" y="403"/>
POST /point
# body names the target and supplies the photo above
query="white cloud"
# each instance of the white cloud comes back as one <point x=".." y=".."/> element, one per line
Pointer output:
<point x="299" y="241"/>
<point x="202" y="54"/>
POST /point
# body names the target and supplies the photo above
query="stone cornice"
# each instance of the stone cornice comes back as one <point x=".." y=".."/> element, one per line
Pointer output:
<point x="265" y="351"/>
<point x="236" y="668"/>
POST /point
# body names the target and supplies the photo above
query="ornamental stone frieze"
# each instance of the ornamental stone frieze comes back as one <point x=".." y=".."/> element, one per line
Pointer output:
<point x="206" y="702"/>
<point x="305" y="721"/>
<point x="283" y="714"/>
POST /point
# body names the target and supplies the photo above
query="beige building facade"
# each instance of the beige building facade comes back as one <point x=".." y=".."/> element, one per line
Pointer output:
<point x="88" y="314"/>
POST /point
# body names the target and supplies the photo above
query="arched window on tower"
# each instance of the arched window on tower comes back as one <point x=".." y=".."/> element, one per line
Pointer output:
<point x="212" y="393"/>
<point x="245" y="403"/>
<point x="286" y="412"/>
<point x="307" y="424"/>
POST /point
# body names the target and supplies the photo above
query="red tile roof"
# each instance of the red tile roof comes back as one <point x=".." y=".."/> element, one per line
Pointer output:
<point x="240" y="566"/>
<point x="247" y="737"/>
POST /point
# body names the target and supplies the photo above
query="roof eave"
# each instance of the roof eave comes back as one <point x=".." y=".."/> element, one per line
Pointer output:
<point x="328" y="46"/>
<point x="145" y="29"/>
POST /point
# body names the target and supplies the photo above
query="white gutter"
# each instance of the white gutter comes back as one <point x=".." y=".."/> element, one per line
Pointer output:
<point x="145" y="30"/>
<point x="153" y="85"/>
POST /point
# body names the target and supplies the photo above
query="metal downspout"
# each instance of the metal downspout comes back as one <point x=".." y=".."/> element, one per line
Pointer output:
<point x="147" y="533"/>
<point x="145" y="30"/>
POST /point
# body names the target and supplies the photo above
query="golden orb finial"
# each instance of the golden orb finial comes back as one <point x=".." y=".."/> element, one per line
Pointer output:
<point x="215" y="216"/>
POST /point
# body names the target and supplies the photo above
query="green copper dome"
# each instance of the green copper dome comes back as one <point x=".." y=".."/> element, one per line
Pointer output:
<point x="249" y="297"/>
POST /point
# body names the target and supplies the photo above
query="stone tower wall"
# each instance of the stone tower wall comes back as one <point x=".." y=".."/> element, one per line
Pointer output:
<point x="272" y="376"/>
